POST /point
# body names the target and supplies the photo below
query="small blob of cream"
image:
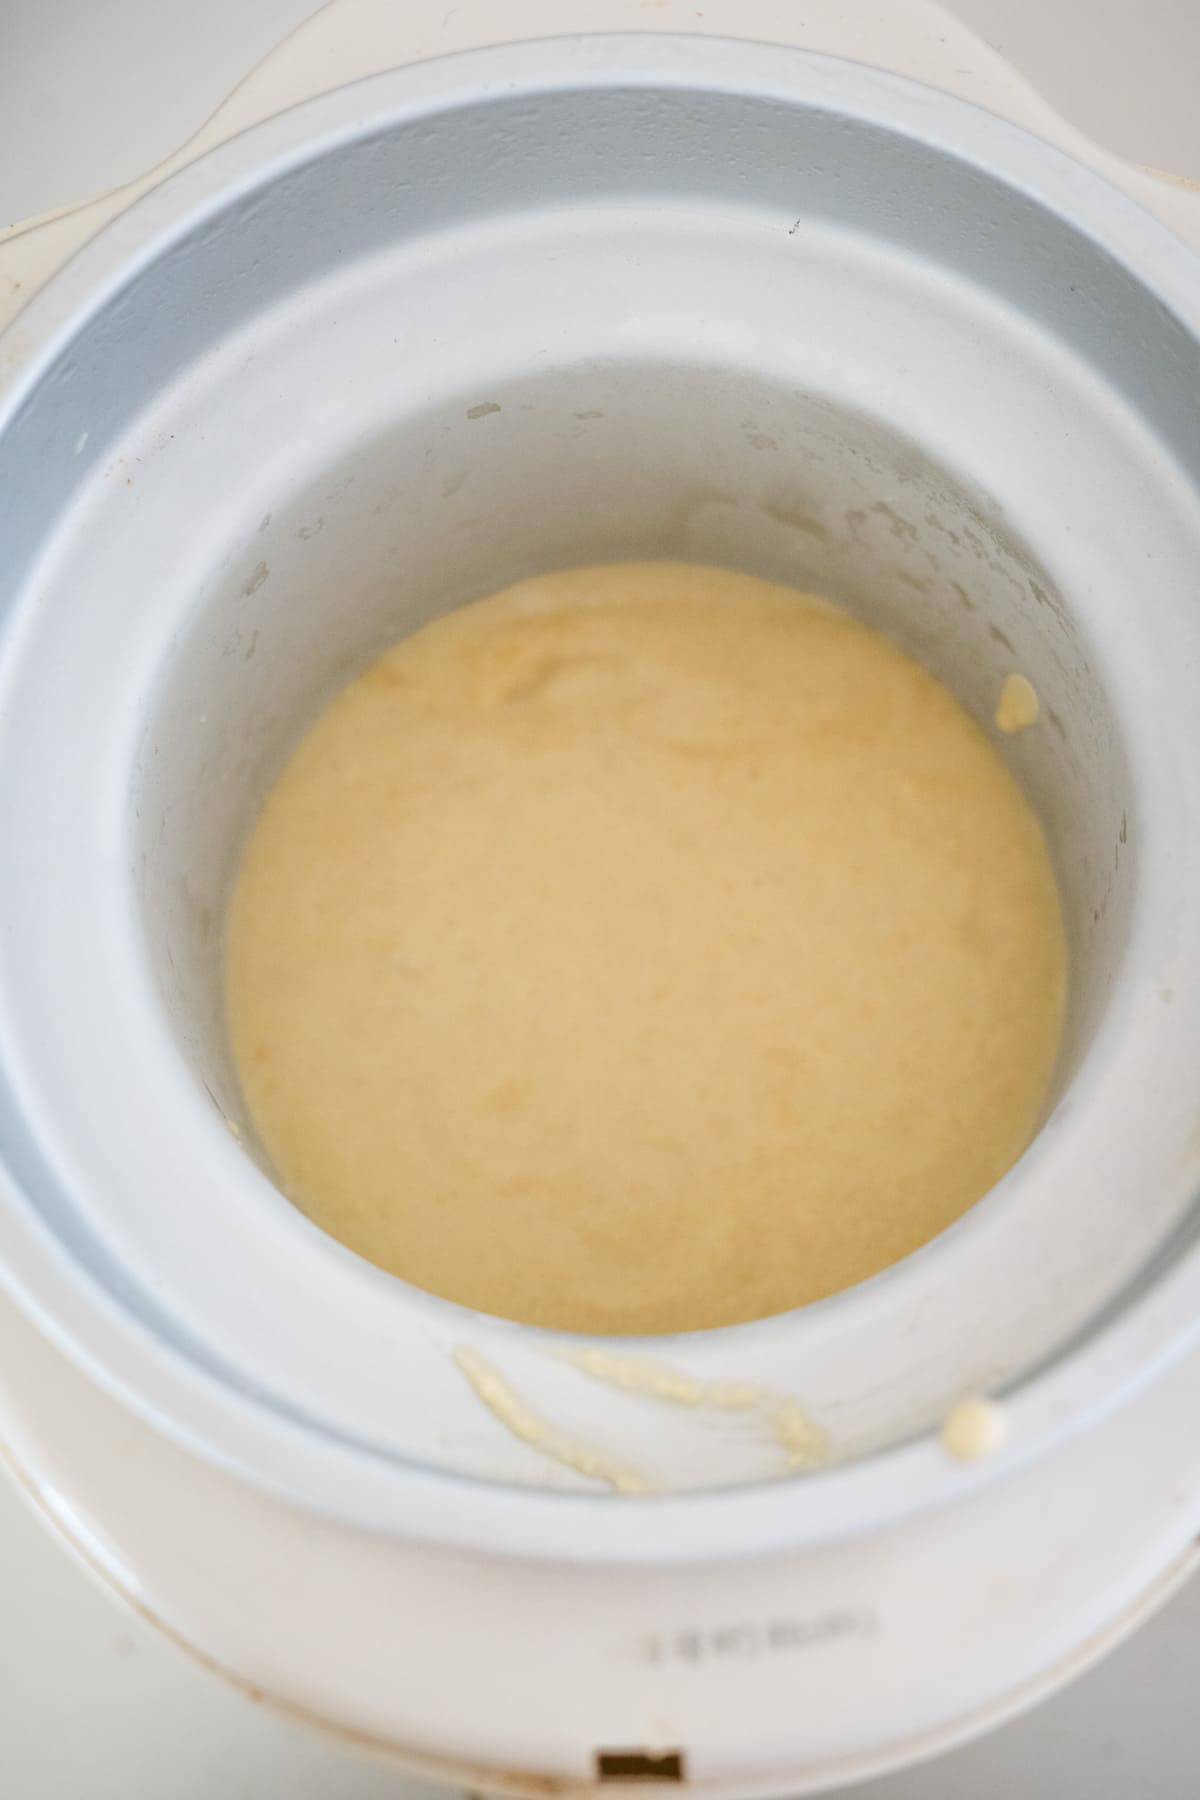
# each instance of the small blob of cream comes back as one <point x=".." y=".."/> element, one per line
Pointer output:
<point x="1018" y="706"/>
<point x="973" y="1428"/>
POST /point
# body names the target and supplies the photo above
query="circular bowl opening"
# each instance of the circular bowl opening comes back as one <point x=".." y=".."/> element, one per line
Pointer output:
<point x="380" y="358"/>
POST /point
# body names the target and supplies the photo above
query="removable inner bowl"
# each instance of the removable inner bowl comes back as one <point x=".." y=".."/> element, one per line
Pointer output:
<point x="521" y="310"/>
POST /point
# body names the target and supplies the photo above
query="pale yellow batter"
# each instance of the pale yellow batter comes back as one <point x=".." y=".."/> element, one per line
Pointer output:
<point x="972" y="1429"/>
<point x="644" y="948"/>
<point x="1018" y="707"/>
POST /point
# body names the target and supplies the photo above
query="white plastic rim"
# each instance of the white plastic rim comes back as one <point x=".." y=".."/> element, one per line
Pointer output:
<point x="238" y="1428"/>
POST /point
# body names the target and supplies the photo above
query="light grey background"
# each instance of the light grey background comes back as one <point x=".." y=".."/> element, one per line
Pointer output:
<point x="94" y="1705"/>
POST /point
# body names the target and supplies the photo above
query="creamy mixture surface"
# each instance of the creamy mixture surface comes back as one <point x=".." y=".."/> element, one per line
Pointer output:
<point x="642" y="949"/>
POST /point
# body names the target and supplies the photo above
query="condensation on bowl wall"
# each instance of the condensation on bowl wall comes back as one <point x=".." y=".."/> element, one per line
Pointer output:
<point x="241" y="466"/>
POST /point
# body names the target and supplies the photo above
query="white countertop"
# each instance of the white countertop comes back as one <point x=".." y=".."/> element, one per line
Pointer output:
<point x="94" y="1704"/>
